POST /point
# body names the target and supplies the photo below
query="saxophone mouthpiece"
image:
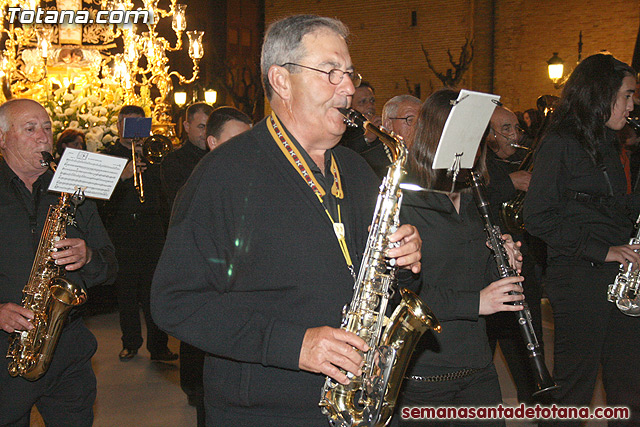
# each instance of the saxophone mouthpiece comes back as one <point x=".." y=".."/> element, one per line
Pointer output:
<point x="352" y="117"/>
<point x="47" y="160"/>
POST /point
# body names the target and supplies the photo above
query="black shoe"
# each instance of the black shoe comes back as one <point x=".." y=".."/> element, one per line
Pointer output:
<point x="127" y="354"/>
<point x="165" y="356"/>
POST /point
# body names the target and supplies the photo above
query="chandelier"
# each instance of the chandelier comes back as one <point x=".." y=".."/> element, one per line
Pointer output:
<point x="113" y="63"/>
<point x="144" y="62"/>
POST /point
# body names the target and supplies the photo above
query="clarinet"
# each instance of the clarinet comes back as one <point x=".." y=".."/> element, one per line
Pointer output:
<point x="544" y="381"/>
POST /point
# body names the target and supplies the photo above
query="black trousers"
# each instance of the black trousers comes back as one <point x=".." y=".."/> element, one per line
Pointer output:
<point x="589" y="332"/>
<point x="65" y="394"/>
<point x="138" y="243"/>
<point x="482" y="388"/>
<point x="191" y="366"/>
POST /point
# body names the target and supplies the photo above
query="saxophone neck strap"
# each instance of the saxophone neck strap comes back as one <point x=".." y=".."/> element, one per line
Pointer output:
<point x="296" y="160"/>
<point x="292" y="154"/>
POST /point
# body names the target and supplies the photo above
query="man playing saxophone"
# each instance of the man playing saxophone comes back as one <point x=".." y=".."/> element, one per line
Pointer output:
<point x="264" y="238"/>
<point x="66" y="392"/>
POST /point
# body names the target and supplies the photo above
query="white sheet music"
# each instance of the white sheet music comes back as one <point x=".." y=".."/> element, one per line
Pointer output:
<point x="97" y="174"/>
<point x="463" y="130"/>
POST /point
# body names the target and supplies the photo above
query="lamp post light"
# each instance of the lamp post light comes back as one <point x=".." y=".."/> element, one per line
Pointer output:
<point x="555" y="67"/>
<point x="210" y="96"/>
<point x="180" y="98"/>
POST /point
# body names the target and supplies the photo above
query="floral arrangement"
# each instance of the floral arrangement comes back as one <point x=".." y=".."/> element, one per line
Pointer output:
<point x="92" y="108"/>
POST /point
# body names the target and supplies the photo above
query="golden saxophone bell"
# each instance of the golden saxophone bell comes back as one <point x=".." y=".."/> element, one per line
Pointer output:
<point x="154" y="149"/>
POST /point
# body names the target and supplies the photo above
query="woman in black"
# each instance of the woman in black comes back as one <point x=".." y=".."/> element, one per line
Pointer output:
<point x="577" y="204"/>
<point x="455" y="367"/>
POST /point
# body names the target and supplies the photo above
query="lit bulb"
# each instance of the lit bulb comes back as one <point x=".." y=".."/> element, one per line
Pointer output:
<point x="179" y="23"/>
<point x="180" y="98"/>
<point x="210" y="96"/>
<point x="196" y="50"/>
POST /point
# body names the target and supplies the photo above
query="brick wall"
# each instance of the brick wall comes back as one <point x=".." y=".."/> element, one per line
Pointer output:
<point x="513" y="39"/>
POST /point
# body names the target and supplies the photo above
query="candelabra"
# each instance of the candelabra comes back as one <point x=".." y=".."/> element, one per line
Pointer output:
<point x="113" y="63"/>
<point x="144" y="63"/>
<point x="23" y="61"/>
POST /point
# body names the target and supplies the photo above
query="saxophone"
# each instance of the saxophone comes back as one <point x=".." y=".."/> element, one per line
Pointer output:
<point x="47" y="293"/>
<point x="511" y="210"/>
<point x="624" y="290"/>
<point x="369" y="399"/>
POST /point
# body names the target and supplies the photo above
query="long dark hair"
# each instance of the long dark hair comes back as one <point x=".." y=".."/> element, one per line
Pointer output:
<point x="587" y="99"/>
<point x="426" y="136"/>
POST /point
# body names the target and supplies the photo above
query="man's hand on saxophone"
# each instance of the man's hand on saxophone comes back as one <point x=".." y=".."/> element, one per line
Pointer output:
<point x="624" y="254"/>
<point x="14" y="317"/>
<point x="72" y="253"/>
<point x="408" y="254"/>
<point x="326" y="350"/>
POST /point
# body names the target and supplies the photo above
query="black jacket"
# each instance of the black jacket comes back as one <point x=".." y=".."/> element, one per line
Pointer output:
<point x="20" y="238"/>
<point x="251" y="262"/>
<point x="578" y="228"/>
<point x="124" y="200"/>
<point x="456" y="265"/>
<point x="177" y="167"/>
<point x="21" y="241"/>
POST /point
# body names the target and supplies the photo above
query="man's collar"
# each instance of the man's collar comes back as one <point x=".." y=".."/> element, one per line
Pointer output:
<point x="307" y="158"/>
<point x="188" y="145"/>
<point x="9" y="175"/>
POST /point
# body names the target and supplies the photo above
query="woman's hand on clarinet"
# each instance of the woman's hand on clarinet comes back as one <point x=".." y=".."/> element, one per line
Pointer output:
<point x="494" y="296"/>
<point x="513" y="250"/>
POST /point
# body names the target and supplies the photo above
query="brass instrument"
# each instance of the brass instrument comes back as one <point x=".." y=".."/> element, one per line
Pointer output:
<point x="544" y="381"/>
<point x="369" y="399"/>
<point x="154" y="149"/>
<point x="624" y="290"/>
<point x="47" y="293"/>
<point x="511" y="211"/>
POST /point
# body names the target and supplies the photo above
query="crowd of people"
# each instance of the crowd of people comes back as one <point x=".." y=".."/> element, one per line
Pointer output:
<point x="248" y="239"/>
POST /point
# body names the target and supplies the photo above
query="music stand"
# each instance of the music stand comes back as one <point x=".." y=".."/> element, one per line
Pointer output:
<point x="463" y="131"/>
<point x="136" y="127"/>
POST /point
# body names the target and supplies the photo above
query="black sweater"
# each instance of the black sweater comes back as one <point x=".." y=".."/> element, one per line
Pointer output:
<point x="456" y="265"/>
<point x="578" y="232"/>
<point x="20" y="240"/>
<point x="251" y="262"/>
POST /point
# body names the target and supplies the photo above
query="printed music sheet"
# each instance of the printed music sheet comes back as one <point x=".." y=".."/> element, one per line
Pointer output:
<point x="96" y="174"/>
<point x="463" y="130"/>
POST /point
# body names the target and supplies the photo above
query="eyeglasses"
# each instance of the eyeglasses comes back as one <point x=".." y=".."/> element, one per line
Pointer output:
<point x="508" y="131"/>
<point x="409" y="120"/>
<point x="512" y="134"/>
<point x="335" y="75"/>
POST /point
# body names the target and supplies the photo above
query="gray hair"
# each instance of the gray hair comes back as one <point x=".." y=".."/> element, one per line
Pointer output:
<point x="6" y="109"/>
<point x="390" y="109"/>
<point x="283" y="41"/>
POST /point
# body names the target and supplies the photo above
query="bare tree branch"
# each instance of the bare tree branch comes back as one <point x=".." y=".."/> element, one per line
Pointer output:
<point x="453" y="76"/>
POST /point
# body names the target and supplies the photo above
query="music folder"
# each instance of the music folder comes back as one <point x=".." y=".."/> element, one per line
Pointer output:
<point x="136" y="127"/>
<point x="463" y="131"/>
